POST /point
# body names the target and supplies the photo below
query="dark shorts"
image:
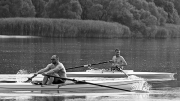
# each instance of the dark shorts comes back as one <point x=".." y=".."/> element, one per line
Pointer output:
<point x="58" y="81"/>
<point x="115" y="68"/>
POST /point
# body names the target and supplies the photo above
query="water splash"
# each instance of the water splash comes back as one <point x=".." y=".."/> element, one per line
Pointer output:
<point x="20" y="76"/>
<point x="142" y="84"/>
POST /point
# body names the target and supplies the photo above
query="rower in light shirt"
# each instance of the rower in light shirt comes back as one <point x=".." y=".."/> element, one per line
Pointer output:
<point x="118" y="61"/>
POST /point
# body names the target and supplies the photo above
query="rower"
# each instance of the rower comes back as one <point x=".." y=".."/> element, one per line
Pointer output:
<point x="55" y="68"/>
<point x="118" y="62"/>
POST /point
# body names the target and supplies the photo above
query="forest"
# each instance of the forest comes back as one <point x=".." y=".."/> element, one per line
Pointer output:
<point x="91" y="18"/>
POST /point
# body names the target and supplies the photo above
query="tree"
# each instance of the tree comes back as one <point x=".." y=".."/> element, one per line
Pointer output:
<point x="95" y="12"/>
<point x="150" y="20"/>
<point x="168" y="6"/>
<point x="137" y="27"/>
<point x="28" y="9"/>
<point x="4" y="11"/>
<point x="136" y="14"/>
<point x="150" y="0"/>
<point x="119" y="11"/>
<point x="63" y="9"/>
<point x="144" y="14"/>
<point x="10" y="8"/>
<point x="105" y="5"/>
<point x="39" y="7"/>
<point x="177" y="5"/>
<point x="16" y="8"/>
<point x="85" y="5"/>
<point x="139" y="4"/>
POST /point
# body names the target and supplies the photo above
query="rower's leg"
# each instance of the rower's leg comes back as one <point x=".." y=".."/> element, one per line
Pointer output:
<point x="50" y="81"/>
<point x="45" y="79"/>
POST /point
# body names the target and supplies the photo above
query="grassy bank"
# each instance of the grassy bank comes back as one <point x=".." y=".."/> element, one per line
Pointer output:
<point x="62" y="28"/>
<point x="79" y="28"/>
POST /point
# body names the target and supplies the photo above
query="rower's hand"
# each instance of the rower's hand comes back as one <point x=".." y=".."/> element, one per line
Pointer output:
<point x="111" y="61"/>
<point x="30" y="79"/>
<point x="44" y="74"/>
<point x="35" y="74"/>
<point x="88" y="65"/>
<point x="119" y="67"/>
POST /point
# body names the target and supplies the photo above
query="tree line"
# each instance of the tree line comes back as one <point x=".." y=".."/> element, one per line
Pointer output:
<point x="140" y="16"/>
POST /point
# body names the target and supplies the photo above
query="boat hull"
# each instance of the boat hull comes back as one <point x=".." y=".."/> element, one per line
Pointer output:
<point x="72" y="87"/>
<point x="148" y="76"/>
<point x="118" y="74"/>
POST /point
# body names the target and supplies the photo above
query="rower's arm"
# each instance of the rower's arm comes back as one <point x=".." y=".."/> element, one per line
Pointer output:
<point x="112" y="61"/>
<point x="56" y="69"/>
<point x="124" y="63"/>
<point x="43" y="70"/>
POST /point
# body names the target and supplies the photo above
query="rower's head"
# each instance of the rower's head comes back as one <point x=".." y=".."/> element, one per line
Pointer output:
<point x="54" y="59"/>
<point x="117" y="52"/>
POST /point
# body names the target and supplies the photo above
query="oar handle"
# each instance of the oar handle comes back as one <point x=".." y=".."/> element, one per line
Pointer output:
<point x="30" y="79"/>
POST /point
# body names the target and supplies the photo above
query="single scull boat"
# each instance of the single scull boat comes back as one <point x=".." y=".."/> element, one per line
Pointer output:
<point x="91" y="86"/>
<point x="119" y="74"/>
<point x="100" y="73"/>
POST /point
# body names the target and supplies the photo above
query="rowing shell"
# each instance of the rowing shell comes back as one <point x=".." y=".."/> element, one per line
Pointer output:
<point x="96" y="73"/>
<point x="118" y="74"/>
<point x="73" y="87"/>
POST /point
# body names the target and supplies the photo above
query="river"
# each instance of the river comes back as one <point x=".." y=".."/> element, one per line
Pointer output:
<point x="148" y="55"/>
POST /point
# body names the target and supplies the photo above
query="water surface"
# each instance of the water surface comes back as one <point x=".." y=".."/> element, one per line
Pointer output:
<point x="159" y="55"/>
<point x="151" y="55"/>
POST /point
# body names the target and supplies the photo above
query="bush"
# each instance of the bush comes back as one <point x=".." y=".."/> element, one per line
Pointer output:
<point x="161" y="33"/>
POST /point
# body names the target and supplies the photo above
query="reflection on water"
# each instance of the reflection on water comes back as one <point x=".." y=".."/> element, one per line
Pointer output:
<point x="161" y="93"/>
<point x="157" y="95"/>
<point x="17" y="36"/>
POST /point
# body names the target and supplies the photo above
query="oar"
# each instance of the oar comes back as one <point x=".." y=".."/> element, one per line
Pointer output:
<point x="89" y="65"/>
<point x="30" y="79"/>
<point x="84" y="82"/>
<point x="122" y="71"/>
